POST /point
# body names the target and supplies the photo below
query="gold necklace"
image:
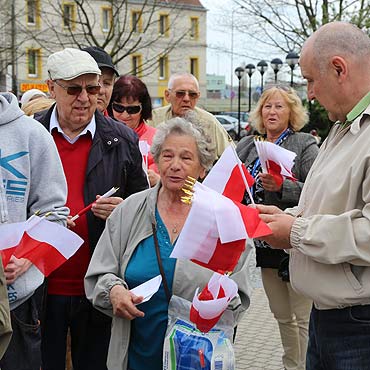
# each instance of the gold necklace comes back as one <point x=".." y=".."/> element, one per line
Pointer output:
<point x="174" y="229"/>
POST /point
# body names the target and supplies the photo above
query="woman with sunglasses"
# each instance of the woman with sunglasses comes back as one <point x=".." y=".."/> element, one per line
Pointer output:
<point x="132" y="105"/>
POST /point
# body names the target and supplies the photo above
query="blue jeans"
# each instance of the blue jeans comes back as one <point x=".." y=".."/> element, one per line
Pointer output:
<point x="24" y="351"/>
<point x="90" y="334"/>
<point x="339" y="339"/>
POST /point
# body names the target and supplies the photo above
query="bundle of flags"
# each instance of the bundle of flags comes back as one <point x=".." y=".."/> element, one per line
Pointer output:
<point x="208" y="306"/>
<point x="222" y="224"/>
<point x="215" y="232"/>
<point x="275" y="160"/>
<point x="46" y="244"/>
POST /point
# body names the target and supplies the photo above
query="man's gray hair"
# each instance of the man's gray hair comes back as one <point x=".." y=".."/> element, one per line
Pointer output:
<point x="186" y="126"/>
<point x="175" y="76"/>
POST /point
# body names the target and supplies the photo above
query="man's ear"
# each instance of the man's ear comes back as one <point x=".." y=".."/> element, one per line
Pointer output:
<point x="51" y="87"/>
<point x="167" y="95"/>
<point x="340" y="66"/>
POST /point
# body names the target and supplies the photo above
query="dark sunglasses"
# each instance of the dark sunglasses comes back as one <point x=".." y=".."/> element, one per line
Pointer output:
<point x="77" y="89"/>
<point x="130" y="109"/>
<point x="181" y="94"/>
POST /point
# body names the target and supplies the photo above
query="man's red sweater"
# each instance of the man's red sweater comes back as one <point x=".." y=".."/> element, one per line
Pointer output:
<point x="68" y="279"/>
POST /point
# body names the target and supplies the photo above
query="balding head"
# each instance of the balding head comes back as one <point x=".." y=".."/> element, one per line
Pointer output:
<point x="338" y="39"/>
<point x="335" y="61"/>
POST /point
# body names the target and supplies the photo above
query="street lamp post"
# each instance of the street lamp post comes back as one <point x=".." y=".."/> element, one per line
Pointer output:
<point x="276" y="64"/>
<point x="250" y="68"/>
<point x="292" y="60"/>
<point x="239" y="71"/>
<point x="262" y="67"/>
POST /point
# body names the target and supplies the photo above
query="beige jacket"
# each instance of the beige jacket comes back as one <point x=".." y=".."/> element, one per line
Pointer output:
<point x="330" y="259"/>
<point x="212" y="127"/>
<point x="127" y="226"/>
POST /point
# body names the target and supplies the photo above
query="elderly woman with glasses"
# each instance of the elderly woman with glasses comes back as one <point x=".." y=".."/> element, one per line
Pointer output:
<point x="126" y="256"/>
<point x="278" y="117"/>
<point x="131" y="104"/>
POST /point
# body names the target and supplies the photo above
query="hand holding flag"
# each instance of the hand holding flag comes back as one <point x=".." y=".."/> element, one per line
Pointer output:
<point x="87" y="208"/>
<point x="46" y="244"/>
<point x="275" y="160"/>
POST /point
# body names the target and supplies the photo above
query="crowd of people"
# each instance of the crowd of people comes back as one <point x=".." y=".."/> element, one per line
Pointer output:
<point x="97" y="129"/>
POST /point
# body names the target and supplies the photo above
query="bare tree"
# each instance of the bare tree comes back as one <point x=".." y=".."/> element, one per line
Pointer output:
<point x="286" y="24"/>
<point x="125" y="36"/>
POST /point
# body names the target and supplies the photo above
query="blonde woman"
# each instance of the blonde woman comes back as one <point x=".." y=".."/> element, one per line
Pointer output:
<point x="279" y="116"/>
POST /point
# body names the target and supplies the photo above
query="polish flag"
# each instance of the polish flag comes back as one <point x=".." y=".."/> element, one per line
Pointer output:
<point x="226" y="177"/>
<point x="208" y="306"/>
<point x="276" y="160"/>
<point x="216" y="229"/>
<point x="46" y="244"/>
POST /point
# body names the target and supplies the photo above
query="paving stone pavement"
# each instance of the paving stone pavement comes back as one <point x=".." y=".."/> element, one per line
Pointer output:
<point x="257" y="344"/>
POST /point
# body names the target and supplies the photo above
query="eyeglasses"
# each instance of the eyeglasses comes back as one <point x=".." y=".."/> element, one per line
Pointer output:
<point x="180" y="94"/>
<point x="130" y="109"/>
<point x="77" y="89"/>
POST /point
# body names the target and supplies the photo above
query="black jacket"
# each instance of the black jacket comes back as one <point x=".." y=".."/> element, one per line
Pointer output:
<point x="114" y="160"/>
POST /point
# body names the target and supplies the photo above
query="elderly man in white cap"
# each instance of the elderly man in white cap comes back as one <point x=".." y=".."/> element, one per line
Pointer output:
<point x="97" y="154"/>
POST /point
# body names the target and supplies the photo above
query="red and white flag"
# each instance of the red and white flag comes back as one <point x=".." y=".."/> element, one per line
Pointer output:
<point x="226" y="176"/>
<point x="46" y="244"/>
<point x="208" y="306"/>
<point x="216" y="229"/>
<point x="276" y="161"/>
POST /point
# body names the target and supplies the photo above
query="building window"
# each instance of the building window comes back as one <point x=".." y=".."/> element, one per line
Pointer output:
<point x="194" y="67"/>
<point x="33" y="62"/>
<point x="33" y="12"/>
<point x="163" y="68"/>
<point x="164" y="25"/>
<point x="136" y="23"/>
<point x="69" y="15"/>
<point x="194" y="28"/>
<point x="106" y="19"/>
<point x="136" y="65"/>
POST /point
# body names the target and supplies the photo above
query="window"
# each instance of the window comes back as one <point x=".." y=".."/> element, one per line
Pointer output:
<point x="194" y="67"/>
<point x="163" y="25"/>
<point x="136" y="65"/>
<point x="33" y="12"/>
<point x="69" y="15"/>
<point x="163" y="68"/>
<point x="136" y="23"/>
<point x="106" y="19"/>
<point x="194" y="28"/>
<point x="33" y="62"/>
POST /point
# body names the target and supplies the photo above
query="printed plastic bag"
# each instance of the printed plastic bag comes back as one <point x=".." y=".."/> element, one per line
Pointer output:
<point x="187" y="348"/>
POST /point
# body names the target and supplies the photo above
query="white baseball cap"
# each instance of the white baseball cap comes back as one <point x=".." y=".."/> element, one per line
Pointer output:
<point x="71" y="63"/>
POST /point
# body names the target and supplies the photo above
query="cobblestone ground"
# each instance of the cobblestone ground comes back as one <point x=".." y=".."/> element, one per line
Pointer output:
<point x="257" y="344"/>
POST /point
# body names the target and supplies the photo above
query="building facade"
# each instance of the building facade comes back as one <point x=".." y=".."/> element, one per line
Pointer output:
<point x="149" y="38"/>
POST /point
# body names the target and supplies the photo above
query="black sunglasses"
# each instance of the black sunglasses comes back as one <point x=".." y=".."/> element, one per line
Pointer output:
<point x="181" y="94"/>
<point x="77" y="89"/>
<point x="130" y="109"/>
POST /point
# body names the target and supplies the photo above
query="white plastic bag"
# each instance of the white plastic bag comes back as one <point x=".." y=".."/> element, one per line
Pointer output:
<point x="186" y="348"/>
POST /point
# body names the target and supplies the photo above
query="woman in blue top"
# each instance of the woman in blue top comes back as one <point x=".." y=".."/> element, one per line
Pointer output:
<point x="125" y="256"/>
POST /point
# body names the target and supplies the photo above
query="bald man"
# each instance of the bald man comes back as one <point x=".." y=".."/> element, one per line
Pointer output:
<point x="183" y="94"/>
<point x="328" y="233"/>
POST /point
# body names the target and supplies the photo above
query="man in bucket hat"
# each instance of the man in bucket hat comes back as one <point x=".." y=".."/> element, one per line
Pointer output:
<point x="97" y="154"/>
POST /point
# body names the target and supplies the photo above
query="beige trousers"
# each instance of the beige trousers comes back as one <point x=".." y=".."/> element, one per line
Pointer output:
<point x="292" y="312"/>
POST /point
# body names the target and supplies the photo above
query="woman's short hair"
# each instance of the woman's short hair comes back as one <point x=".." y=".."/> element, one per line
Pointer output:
<point x="185" y="126"/>
<point x="298" y="113"/>
<point x="132" y="88"/>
